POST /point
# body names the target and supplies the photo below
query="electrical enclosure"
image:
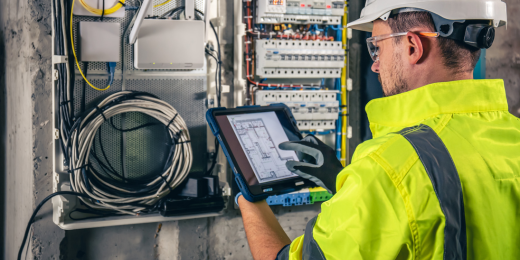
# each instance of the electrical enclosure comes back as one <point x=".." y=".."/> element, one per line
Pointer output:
<point x="99" y="41"/>
<point x="170" y="44"/>
<point x="186" y="89"/>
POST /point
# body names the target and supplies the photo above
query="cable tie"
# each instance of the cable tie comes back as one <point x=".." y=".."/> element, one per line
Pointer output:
<point x="65" y="102"/>
<point x="248" y="17"/>
<point x="123" y="4"/>
<point x="189" y="141"/>
<point x="79" y="168"/>
<point x="166" y="182"/>
<point x="168" y="125"/>
<point x="268" y="85"/>
<point x="248" y="42"/>
<point x="249" y="30"/>
<point x="248" y="59"/>
<point x="101" y="112"/>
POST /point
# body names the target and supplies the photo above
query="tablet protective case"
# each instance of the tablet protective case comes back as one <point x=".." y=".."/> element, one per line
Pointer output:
<point x="242" y="184"/>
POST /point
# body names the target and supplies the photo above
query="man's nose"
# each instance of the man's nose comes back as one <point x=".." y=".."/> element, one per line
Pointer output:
<point x="375" y="67"/>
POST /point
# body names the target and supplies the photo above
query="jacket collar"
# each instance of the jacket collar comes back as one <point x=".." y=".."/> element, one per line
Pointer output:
<point x="390" y="114"/>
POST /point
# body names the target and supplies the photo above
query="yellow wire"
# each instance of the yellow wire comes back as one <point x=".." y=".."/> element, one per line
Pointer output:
<point x="167" y="1"/>
<point x="111" y="10"/>
<point x="344" y="121"/>
<point x="74" y="51"/>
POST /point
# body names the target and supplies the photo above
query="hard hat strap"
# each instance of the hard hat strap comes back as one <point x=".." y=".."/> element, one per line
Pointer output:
<point x="476" y="33"/>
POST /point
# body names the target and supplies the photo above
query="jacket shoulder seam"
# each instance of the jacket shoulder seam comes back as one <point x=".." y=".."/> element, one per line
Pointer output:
<point x="394" y="177"/>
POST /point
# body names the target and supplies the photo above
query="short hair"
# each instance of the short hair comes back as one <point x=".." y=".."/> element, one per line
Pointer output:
<point x="457" y="55"/>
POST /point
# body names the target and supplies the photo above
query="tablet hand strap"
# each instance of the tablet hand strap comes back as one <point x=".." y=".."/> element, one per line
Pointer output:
<point x="318" y="162"/>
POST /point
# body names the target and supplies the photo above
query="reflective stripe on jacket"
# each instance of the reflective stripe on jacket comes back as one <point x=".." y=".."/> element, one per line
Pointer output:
<point x="440" y="180"/>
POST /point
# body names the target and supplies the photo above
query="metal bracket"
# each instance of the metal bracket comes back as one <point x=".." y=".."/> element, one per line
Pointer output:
<point x="189" y="9"/>
<point x="55" y="74"/>
<point x="56" y="59"/>
<point x="349" y="84"/>
<point x="56" y="134"/>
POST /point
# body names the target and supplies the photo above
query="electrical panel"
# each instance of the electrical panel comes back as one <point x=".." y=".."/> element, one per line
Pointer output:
<point x="299" y="12"/>
<point x="296" y="58"/>
<point x="295" y="53"/>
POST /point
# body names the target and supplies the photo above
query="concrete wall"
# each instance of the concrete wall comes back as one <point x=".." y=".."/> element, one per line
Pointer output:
<point x="26" y="84"/>
<point x="503" y="58"/>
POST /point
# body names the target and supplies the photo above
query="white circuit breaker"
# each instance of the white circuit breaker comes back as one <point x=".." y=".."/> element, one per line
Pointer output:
<point x="272" y="8"/>
<point x="299" y="12"/>
<point x="299" y="59"/>
<point x="313" y="109"/>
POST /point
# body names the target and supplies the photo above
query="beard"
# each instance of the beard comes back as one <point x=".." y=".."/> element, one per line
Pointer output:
<point x="392" y="81"/>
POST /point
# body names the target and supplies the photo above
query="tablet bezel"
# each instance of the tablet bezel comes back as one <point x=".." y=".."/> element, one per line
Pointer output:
<point x="272" y="187"/>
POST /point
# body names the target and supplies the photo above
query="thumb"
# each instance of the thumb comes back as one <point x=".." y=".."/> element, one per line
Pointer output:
<point x="291" y="165"/>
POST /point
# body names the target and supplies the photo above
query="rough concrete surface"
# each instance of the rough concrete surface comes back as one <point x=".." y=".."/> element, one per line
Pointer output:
<point x="503" y="58"/>
<point x="26" y="30"/>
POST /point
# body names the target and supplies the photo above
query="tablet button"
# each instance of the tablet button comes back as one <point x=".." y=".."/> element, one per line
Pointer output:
<point x="298" y="183"/>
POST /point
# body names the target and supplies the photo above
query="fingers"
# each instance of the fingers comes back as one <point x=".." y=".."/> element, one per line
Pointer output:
<point x="302" y="147"/>
<point x="301" y="165"/>
<point x="311" y="139"/>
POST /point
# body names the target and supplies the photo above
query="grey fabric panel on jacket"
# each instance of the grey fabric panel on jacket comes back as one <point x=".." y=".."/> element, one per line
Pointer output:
<point x="284" y="253"/>
<point x="311" y="250"/>
<point x="443" y="174"/>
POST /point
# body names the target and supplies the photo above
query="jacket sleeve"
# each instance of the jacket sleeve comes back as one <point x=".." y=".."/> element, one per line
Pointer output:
<point x="366" y="219"/>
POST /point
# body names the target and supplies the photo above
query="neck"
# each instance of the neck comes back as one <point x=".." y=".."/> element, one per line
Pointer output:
<point x="419" y="79"/>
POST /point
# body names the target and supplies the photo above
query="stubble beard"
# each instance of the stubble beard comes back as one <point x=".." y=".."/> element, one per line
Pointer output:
<point x="393" y="82"/>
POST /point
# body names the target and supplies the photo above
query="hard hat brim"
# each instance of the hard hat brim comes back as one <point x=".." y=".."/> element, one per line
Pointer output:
<point x="494" y="11"/>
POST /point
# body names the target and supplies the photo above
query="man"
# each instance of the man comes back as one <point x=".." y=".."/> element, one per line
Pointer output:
<point x="441" y="178"/>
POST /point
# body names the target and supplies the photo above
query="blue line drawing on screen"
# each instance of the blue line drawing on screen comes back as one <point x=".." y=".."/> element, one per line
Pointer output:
<point x="262" y="153"/>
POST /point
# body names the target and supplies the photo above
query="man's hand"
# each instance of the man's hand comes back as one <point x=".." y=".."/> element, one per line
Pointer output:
<point x="318" y="162"/>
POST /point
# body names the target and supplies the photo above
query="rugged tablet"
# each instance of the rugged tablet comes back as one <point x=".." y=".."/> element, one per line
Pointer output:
<point x="249" y="137"/>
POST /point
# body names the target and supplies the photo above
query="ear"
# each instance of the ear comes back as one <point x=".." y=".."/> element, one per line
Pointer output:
<point x="415" y="48"/>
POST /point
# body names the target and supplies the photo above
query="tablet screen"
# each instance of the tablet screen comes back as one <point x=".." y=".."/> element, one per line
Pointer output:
<point x="259" y="135"/>
<point x="253" y="139"/>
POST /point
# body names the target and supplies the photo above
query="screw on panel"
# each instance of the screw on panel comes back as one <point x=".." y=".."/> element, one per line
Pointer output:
<point x="55" y="74"/>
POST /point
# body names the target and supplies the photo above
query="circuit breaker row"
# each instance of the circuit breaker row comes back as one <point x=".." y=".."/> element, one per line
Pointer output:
<point x="301" y="59"/>
<point x="299" y="19"/>
<point x="299" y="73"/>
<point x="313" y="110"/>
<point x="300" y="12"/>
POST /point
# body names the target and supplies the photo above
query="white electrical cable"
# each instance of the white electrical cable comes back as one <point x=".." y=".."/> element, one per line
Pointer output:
<point x="123" y="200"/>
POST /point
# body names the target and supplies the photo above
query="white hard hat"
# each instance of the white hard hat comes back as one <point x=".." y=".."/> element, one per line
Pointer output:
<point x="492" y="10"/>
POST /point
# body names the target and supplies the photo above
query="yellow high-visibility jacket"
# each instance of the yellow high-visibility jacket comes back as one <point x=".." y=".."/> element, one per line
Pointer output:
<point x="410" y="195"/>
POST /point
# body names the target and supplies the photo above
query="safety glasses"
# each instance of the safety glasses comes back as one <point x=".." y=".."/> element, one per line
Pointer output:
<point x="373" y="49"/>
